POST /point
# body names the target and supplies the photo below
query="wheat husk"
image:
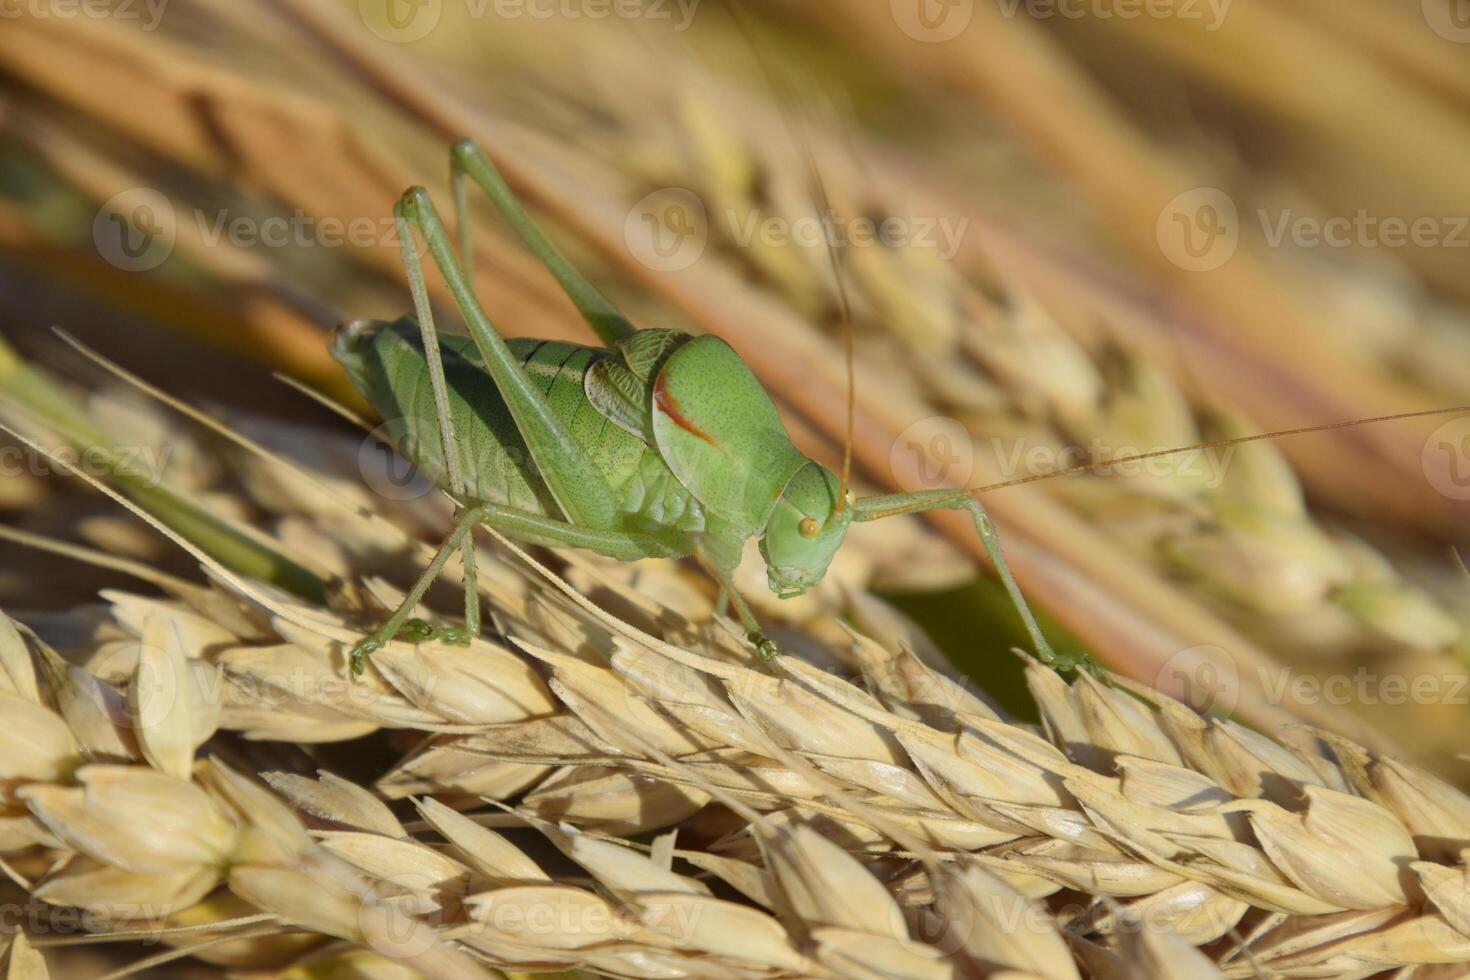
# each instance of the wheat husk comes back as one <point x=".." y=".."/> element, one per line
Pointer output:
<point x="886" y="823"/>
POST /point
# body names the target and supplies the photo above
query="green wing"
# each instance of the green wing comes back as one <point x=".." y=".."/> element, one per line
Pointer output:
<point x="618" y="384"/>
<point x="720" y="434"/>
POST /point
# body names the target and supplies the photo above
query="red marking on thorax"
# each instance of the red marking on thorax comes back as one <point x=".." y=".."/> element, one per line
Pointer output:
<point x="665" y="403"/>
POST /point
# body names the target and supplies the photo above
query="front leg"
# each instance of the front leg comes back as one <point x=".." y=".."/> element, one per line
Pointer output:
<point x="764" y="645"/>
<point x="888" y="505"/>
<point x="720" y="556"/>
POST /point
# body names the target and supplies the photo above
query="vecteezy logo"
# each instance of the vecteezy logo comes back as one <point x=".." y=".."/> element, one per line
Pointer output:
<point x="388" y="915"/>
<point x="667" y="230"/>
<point x="1199" y="230"/>
<point x="385" y="470"/>
<point x="1450" y="19"/>
<point x="152" y="692"/>
<point x="400" y="21"/>
<point x="945" y="924"/>
<point x="1203" y="677"/>
<point x="1446" y="458"/>
<point x="932" y="21"/>
<point x="931" y="454"/>
<point x="135" y="230"/>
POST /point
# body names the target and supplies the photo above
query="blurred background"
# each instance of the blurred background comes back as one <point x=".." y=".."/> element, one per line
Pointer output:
<point x="1068" y="230"/>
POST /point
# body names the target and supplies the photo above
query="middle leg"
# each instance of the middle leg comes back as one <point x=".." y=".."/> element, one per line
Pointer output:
<point x="390" y="628"/>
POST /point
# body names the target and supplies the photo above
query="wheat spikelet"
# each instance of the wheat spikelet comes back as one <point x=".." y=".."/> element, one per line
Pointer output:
<point x="870" y="818"/>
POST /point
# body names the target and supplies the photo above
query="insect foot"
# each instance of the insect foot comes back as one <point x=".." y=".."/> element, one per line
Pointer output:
<point x="361" y="650"/>
<point x="420" y="631"/>
<point x="764" y="645"/>
<point x="413" y="631"/>
<point x="1071" y="661"/>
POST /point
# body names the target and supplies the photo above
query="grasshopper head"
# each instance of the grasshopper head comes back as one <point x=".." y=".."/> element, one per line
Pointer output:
<point x="804" y="531"/>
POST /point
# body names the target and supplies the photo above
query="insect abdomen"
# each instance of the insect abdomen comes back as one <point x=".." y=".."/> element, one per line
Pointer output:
<point x="387" y="363"/>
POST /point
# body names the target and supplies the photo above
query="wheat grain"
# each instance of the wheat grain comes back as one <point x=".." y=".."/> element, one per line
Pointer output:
<point x="896" y="827"/>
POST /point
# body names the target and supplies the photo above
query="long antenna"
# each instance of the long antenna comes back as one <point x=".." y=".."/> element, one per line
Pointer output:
<point x="803" y="145"/>
<point x="1102" y="464"/>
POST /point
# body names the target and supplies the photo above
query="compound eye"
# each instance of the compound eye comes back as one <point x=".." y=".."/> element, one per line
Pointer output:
<point x="809" y="527"/>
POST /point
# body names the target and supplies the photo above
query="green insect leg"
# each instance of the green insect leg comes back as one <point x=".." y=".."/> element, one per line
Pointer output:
<point x="763" y="644"/>
<point x="399" y="619"/>
<point x="876" y="508"/>
<point x="579" y="487"/>
<point x="537" y="528"/>
<point x="424" y="313"/>
<point x="468" y="160"/>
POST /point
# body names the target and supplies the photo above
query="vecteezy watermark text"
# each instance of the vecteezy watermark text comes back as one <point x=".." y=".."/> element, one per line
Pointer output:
<point x="1211" y="13"/>
<point x="1365" y="687"/>
<point x="150" y="12"/>
<point x="1210" y="680"/>
<point x="144" y="463"/>
<point x="669" y="229"/>
<point x="1201" y="229"/>
<point x="938" y="21"/>
<point x="935" y="232"/>
<point x="407" y="21"/>
<point x="143" y="921"/>
<point x="138" y="229"/>
<point x="939" y="452"/>
<point x="1363" y="229"/>
<point x="296" y="230"/>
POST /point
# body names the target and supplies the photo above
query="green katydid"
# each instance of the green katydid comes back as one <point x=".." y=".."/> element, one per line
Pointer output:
<point x="658" y="444"/>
